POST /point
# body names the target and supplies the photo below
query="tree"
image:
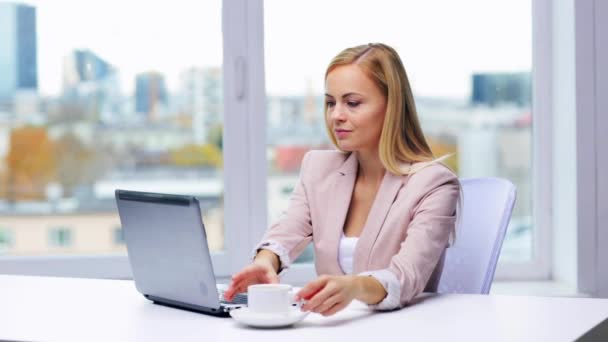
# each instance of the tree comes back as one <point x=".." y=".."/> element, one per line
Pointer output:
<point x="441" y="148"/>
<point x="197" y="155"/>
<point x="30" y="164"/>
<point x="75" y="162"/>
<point x="216" y="136"/>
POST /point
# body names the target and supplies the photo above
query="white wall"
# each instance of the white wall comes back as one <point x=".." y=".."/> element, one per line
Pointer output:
<point x="592" y="159"/>
<point x="601" y="83"/>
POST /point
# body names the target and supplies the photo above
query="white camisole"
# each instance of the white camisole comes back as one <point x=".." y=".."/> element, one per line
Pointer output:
<point x="346" y="252"/>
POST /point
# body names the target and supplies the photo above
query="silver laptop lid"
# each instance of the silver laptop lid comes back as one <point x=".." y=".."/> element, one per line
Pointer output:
<point x="167" y="247"/>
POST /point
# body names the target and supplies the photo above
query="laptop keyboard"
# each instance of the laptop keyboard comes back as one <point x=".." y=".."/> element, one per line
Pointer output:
<point x="240" y="298"/>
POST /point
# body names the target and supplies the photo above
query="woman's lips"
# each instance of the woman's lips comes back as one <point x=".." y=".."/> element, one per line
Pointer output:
<point x="342" y="133"/>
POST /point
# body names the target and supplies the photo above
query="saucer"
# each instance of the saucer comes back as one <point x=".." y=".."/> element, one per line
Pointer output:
<point x="267" y="320"/>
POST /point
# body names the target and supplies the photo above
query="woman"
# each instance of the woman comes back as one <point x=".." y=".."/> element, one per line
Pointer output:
<point x="380" y="211"/>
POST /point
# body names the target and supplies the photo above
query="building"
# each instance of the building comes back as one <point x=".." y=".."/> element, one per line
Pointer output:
<point x="492" y="89"/>
<point x="201" y="98"/>
<point x="90" y="225"/>
<point x="296" y="120"/>
<point x="90" y="80"/>
<point x="83" y="66"/>
<point x="80" y="233"/>
<point x="146" y="137"/>
<point x="18" y="50"/>
<point x="150" y="95"/>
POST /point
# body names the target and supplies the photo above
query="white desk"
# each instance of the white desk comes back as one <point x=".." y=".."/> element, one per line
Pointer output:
<point x="67" y="309"/>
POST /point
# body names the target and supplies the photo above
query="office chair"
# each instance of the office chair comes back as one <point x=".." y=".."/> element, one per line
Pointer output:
<point x="470" y="262"/>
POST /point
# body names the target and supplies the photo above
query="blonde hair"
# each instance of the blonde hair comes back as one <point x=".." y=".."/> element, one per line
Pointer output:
<point x="402" y="140"/>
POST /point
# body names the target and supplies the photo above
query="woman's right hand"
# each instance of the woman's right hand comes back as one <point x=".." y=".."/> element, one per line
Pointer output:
<point x="256" y="273"/>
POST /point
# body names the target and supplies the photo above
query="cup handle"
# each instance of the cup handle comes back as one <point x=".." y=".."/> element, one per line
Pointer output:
<point x="296" y="303"/>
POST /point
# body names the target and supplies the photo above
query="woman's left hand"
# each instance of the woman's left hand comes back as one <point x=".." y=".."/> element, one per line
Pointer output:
<point x="329" y="294"/>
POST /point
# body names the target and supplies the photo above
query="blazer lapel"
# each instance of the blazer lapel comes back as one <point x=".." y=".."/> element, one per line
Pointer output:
<point x="339" y="201"/>
<point x="382" y="203"/>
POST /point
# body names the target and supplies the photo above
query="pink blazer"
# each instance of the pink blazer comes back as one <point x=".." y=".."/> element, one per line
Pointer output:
<point x="406" y="232"/>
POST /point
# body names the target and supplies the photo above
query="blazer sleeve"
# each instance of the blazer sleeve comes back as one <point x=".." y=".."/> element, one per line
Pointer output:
<point x="433" y="220"/>
<point x="292" y="232"/>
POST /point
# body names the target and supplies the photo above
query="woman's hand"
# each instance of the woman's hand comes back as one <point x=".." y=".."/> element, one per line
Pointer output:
<point x="329" y="294"/>
<point x="256" y="273"/>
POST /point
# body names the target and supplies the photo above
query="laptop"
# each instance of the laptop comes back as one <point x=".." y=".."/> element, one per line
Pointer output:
<point x="168" y="252"/>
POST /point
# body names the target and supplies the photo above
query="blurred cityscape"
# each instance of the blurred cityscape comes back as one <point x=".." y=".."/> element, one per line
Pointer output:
<point x="62" y="157"/>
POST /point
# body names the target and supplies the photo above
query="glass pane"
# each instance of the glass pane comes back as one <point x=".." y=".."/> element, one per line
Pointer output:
<point x="469" y="67"/>
<point x="114" y="95"/>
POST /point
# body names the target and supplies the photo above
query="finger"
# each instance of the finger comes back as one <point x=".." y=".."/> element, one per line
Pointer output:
<point x="230" y="292"/>
<point x="311" y="288"/>
<point x="318" y="299"/>
<point x="242" y="284"/>
<point x="328" y="303"/>
<point x="234" y="288"/>
<point x="338" y="307"/>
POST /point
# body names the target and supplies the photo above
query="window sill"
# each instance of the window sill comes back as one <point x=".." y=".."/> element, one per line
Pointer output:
<point x="548" y="288"/>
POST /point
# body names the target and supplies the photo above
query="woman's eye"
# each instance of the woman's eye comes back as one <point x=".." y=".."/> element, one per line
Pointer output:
<point x="329" y="104"/>
<point x="353" y="104"/>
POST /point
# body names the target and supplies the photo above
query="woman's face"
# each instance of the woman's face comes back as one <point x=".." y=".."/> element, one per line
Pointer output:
<point x="355" y="109"/>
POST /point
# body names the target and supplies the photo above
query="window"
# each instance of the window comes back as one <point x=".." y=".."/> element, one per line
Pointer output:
<point x="109" y="98"/>
<point x="470" y="73"/>
<point x="83" y="112"/>
<point x="92" y="113"/>
<point x="118" y="236"/>
<point x="60" y="237"/>
<point x="7" y="239"/>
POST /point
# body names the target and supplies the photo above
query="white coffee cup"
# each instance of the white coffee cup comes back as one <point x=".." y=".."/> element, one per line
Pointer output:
<point x="271" y="298"/>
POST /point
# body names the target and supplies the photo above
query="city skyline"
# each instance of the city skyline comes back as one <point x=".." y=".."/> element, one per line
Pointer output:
<point x="134" y="49"/>
<point x="139" y="105"/>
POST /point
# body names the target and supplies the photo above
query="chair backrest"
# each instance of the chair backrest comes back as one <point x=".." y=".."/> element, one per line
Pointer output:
<point x="485" y="213"/>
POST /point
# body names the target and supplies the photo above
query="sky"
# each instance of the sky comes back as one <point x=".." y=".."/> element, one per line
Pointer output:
<point x="441" y="42"/>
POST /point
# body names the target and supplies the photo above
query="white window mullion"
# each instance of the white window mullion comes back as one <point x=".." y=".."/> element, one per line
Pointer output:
<point x="244" y="129"/>
<point x="257" y="125"/>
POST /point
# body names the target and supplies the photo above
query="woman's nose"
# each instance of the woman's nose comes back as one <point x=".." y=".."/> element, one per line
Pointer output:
<point x="337" y="113"/>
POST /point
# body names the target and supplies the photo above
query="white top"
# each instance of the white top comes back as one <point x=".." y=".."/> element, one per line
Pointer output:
<point x="346" y="250"/>
<point x="70" y="309"/>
